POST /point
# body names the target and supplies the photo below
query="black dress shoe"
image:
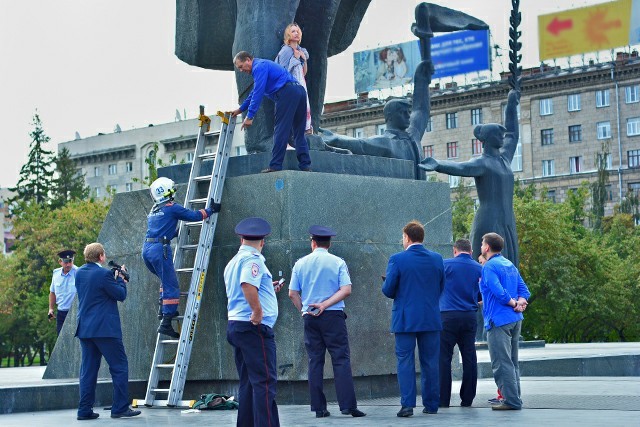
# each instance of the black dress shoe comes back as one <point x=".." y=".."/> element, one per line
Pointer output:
<point x="91" y="416"/>
<point x="323" y="413"/>
<point x="126" y="414"/>
<point x="353" y="412"/>
<point x="428" y="411"/>
<point x="466" y="404"/>
<point x="405" y="411"/>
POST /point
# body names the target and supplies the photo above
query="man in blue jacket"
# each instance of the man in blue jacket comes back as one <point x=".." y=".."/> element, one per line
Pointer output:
<point x="276" y="83"/>
<point x="415" y="280"/>
<point x="100" y="333"/>
<point x="458" y="308"/>
<point x="504" y="296"/>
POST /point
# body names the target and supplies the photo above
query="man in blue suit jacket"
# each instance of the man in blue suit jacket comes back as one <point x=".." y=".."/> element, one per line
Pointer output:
<point x="415" y="280"/>
<point x="100" y="333"/>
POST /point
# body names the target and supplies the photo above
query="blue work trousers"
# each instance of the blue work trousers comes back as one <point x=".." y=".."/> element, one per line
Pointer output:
<point x="255" y="355"/>
<point x="429" y="353"/>
<point x="458" y="327"/>
<point x="113" y="351"/>
<point x="291" y="113"/>
<point x="328" y="332"/>
<point x="159" y="260"/>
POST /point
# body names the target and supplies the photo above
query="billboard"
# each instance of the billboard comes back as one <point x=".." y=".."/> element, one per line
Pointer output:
<point x="588" y="29"/>
<point x="391" y="66"/>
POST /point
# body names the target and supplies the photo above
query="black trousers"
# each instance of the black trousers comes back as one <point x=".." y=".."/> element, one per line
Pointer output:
<point x="328" y="332"/>
<point x="458" y="327"/>
<point x="60" y="317"/>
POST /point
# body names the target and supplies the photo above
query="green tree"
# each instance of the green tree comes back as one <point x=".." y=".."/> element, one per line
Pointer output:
<point x="462" y="211"/>
<point x="69" y="185"/>
<point x="599" y="189"/>
<point x="36" y="176"/>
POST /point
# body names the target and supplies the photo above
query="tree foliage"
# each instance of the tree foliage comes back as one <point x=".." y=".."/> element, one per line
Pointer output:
<point x="462" y="210"/>
<point x="68" y="185"/>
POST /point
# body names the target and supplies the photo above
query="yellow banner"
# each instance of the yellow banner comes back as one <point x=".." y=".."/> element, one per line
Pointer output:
<point x="587" y="29"/>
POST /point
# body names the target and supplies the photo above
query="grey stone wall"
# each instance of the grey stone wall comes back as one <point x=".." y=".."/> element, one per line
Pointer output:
<point x="368" y="214"/>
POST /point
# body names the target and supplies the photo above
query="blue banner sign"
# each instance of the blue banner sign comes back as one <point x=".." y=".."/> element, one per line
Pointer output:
<point x="460" y="53"/>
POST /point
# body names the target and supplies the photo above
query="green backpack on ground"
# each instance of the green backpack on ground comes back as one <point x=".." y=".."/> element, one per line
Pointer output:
<point x="215" y="401"/>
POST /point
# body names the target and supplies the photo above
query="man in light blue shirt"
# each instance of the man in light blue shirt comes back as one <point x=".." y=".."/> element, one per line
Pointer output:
<point x="504" y="296"/>
<point x="63" y="288"/>
<point x="319" y="284"/>
<point x="276" y="83"/>
<point x="252" y="312"/>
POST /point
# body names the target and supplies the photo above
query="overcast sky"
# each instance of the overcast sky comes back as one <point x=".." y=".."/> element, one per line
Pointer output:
<point x="87" y="65"/>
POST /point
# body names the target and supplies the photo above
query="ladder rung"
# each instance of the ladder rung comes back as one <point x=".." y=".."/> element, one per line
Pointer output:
<point x="160" y="390"/>
<point x="169" y="341"/>
<point x="184" y="294"/>
<point x="212" y="133"/>
<point x="203" y="178"/>
<point x="184" y="270"/>
<point x="207" y="156"/>
<point x="165" y="365"/>
<point x="189" y="247"/>
<point x="177" y="318"/>
<point x="198" y="200"/>
<point x="192" y="224"/>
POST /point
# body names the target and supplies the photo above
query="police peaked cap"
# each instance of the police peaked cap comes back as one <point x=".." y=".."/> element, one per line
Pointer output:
<point x="321" y="233"/>
<point x="253" y="228"/>
<point x="67" y="254"/>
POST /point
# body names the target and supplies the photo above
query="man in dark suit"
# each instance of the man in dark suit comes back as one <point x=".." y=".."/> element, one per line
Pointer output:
<point x="100" y="333"/>
<point x="414" y="280"/>
<point x="458" y="308"/>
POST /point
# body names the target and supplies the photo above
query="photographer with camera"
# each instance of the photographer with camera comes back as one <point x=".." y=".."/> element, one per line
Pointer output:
<point x="63" y="288"/>
<point x="156" y="252"/>
<point x="100" y="333"/>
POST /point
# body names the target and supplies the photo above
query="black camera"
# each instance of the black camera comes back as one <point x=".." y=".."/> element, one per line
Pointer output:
<point x="117" y="268"/>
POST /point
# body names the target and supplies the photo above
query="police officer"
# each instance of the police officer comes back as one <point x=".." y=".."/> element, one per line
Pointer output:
<point x="63" y="287"/>
<point x="319" y="284"/>
<point x="252" y="312"/>
<point x="156" y="251"/>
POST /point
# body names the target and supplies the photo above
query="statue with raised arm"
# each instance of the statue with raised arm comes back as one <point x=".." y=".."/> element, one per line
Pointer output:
<point x="494" y="179"/>
<point x="407" y="123"/>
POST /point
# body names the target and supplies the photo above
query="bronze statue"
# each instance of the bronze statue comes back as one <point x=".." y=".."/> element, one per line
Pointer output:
<point x="404" y="131"/>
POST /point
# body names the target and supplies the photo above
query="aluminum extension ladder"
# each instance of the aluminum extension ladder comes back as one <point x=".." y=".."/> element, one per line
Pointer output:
<point x="178" y="369"/>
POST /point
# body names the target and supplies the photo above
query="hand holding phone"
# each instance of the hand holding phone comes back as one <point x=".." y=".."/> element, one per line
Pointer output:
<point x="314" y="311"/>
<point x="279" y="284"/>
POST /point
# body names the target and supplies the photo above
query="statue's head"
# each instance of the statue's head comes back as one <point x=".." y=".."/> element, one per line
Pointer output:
<point x="397" y="114"/>
<point x="491" y="134"/>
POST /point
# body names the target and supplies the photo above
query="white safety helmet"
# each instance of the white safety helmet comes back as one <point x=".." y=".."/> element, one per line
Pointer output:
<point x="162" y="189"/>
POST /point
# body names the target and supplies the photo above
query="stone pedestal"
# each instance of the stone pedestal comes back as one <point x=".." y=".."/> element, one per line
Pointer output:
<point x="367" y="212"/>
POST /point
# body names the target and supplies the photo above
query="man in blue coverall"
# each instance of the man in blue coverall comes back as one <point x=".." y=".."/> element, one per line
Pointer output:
<point x="100" y="333"/>
<point x="504" y="296"/>
<point x="319" y="284"/>
<point x="458" y="308"/>
<point x="276" y="83"/>
<point x="252" y="311"/>
<point x="156" y="251"/>
<point x="414" y="280"/>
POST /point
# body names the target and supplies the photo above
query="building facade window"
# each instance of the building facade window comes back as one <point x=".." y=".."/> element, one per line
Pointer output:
<point x="551" y="196"/>
<point x="573" y="102"/>
<point x="128" y="167"/>
<point x="452" y="150"/>
<point x="476" y="147"/>
<point x="633" y="126"/>
<point x="173" y="161"/>
<point x="189" y="157"/>
<point x="604" y="130"/>
<point x="546" y="106"/>
<point x="476" y="116"/>
<point x="633" y="158"/>
<point x="632" y="94"/>
<point x="604" y="160"/>
<point x="602" y="98"/>
<point x="546" y="135"/>
<point x="452" y="120"/>
<point x="97" y="171"/>
<point x="454" y="181"/>
<point x="516" y="163"/>
<point x="548" y="168"/>
<point x="358" y="133"/>
<point x="113" y="169"/>
<point x="128" y="186"/>
<point x="428" y="151"/>
<point x="241" y="151"/>
<point x="96" y="191"/>
<point x="429" y="124"/>
<point x="112" y="189"/>
<point x="575" y="164"/>
<point x="381" y="129"/>
<point x="575" y="133"/>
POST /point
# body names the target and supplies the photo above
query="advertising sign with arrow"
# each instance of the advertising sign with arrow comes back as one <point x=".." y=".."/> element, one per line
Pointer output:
<point x="600" y="27"/>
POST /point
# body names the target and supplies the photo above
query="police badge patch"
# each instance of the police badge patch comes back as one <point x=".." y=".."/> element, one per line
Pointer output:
<point x="255" y="269"/>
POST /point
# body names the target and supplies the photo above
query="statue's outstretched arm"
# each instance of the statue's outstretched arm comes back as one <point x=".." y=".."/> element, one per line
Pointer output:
<point x="511" y="123"/>
<point x="421" y="107"/>
<point x="472" y="168"/>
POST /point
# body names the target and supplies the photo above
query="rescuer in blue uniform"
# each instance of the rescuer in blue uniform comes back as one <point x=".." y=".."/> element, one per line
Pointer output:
<point x="276" y="83"/>
<point x="319" y="284"/>
<point x="252" y="312"/>
<point x="156" y="252"/>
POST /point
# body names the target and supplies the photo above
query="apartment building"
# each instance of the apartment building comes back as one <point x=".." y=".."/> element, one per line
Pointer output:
<point x="569" y="119"/>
